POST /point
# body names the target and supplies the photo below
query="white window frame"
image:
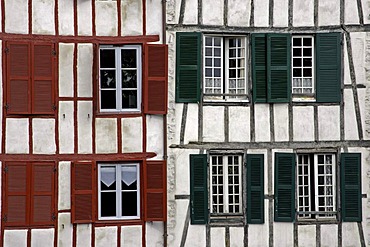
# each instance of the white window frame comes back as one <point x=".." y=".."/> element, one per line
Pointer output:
<point x="118" y="74"/>
<point x="119" y="192"/>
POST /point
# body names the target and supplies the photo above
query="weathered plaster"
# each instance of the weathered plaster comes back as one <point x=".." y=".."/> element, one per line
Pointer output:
<point x="83" y="235"/>
<point x="177" y="220"/>
<point x="105" y="236"/>
<point x="182" y="178"/>
<point x="191" y="13"/>
<point x="106" y="18"/>
<point x="131" y="236"/>
<point x="106" y="135"/>
<point x="43" y="136"/>
<point x="366" y="11"/>
<point x="346" y="71"/>
<point x="42" y="237"/>
<point x="65" y="230"/>
<point x="303" y="123"/>
<point x="218" y="236"/>
<point x="132" y="135"/>
<point x="351" y="12"/>
<point x="15" y="238"/>
<point x="84" y="126"/>
<point x="358" y="53"/>
<point x="191" y="124"/>
<point x="17" y="135"/>
<point x="258" y="234"/>
<point x="261" y="16"/>
<point x="350" y="125"/>
<point x="239" y="13"/>
<point x="43" y="16"/>
<point x="361" y="100"/>
<point x="66" y="21"/>
<point x="84" y="17"/>
<point x="84" y="70"/>
<point x="213" y="124"/>
<point x="66" y="70"/>
<point x="329" y="12"/>
<point x="239" y="124"/>
<point x="66" y="125"/>
<point x="281" y="14"/>
<point x="329" y="124"/>
<point x="303" y="13"/>
<point x="16" y="16"/>
<point x="307" y="236"/>
<point x="196" y="236"/>
<point x="236" y="236"/>
<point x="350" y="236"/>
<point x="281" y="122"/>
<point x="154" y="135"/>
<point x="262" y="122"/>
<point x="64" y="185"/>
<point x="329" y="236"/>
<point x="154" y="18"/>
<point x="154" y="234"/>
<point x="213" y="12"/>
<point x="131" y="18"/>
<point x="283" y="234"/>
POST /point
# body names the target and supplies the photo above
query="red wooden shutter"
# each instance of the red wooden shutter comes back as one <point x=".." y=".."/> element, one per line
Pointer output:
<point x="16" y="196"/>
<point x="82" y="192"/>
<point x="42" y="194"/>
<point x="18" y="78"/>
<point x="156" y="70"/>
<point x="155" y="191"/>
<point x="43" y="79"/>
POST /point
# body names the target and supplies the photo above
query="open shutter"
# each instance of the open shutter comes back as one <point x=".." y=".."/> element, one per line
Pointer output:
<point x="198" y="189"/>
<point x="155" y="191"/>
<point x="328" y="67"/>
<point x="188" y="67"/>
<point x="284" y="187"/>
<point x="255" y="187"/>
<point x="156" y="67"/>
<point x="82" y="192"/>
<point x="16" y="194"/>
<point x="259" y="67"/>
<point x="278" y="74"/>
<point x="43" y="79"/>
<point x="42" y="194"/>
<point x="18" y="78"/>
<point x="351" y="187"/>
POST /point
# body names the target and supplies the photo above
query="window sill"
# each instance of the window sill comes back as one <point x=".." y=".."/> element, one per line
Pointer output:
<point x="119" y="113"/>
<point x="229" y="219"/>
<point x="119" y="222"/>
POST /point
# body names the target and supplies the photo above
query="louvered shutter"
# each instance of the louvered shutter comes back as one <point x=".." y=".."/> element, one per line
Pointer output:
<point x="155" y="191"/>
<point x="259" y="67"/>
<point x="278" y="74"/>
<point x="82" y="193"/>
<point x="198" y="189"/>
<point x="18" y="78"/>
<point x="188" y="67"/>
<point x="156" y="82"/>
<point x="328" y="67"/>
<point x="351" y="187"/>
<point x="16" y="194"/>
<point x="42" y="194"/>
<point x="284" y="187"/>
<point x="255" y="189"/>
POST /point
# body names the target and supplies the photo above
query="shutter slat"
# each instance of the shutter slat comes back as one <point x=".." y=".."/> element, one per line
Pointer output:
<point x="198" y="189"/>
<point x="259" y="63"/>
<point x="155" y="191"/>
<point x="255" y="186"/>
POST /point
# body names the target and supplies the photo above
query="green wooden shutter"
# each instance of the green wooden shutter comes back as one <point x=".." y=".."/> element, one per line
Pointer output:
<point x="278" y="69"/>
<point x="284" y="187"/>
<point x="351" y="187"/>
<point x="188" y="67"/>
<point x="328" y="67"/>
<point x="198" y="189"/>
<point x="259" y="68"/>
<point x="255" y="187"/>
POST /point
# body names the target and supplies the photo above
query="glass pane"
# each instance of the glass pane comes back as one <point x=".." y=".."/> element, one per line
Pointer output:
<point x="307" y="62"/>
<point x="108" y="204"/>
<point x="107" y="59"/>
<point x="297" y="72"/>
<point x="129" y="79"/>
<point x="297" y="51"/>
<point x="307" y="52"/>
<point x="108" y="79"/>
<point x="208" y="41"/>
<point x="208" y="51"/>
<point x="217" y="62"/>
<point x="129" y="99"/>
<point x="307" y="41"/>
<point x="129" y="203"/>
<point x="297" y="42"/>
<point x="208" y="62"/>
<point x="217" y="41"/>
<point x="217" y="52"/>
<point x="128" y="58"/>
<point x="108" y="99"/>
<point x="108" y="177"/>
<point x="128" y="177"/>
<point x="297" y="62"/>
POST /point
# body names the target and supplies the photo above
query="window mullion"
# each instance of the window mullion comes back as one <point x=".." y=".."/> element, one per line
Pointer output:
<point x="119" y="79"/>
<point x="226" y="184"/>
<point x="316" y="177"/>
<point x="118" y="192"/>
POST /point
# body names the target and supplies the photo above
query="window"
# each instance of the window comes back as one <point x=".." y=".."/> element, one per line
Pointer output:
<point x="119" y="191"/>
<point x="120" y="78"/>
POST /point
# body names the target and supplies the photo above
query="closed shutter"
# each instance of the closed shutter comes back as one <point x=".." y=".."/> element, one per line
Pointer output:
<point x="155" y="191"/>
<point x="156" y="82"/>
<point x="18" y="78"/>
<point x="328" y="67"/>
<point x="42" y="194"/>
<point x="255" y="189"/>
<point x="351" y="187"/>
<point x="259" y="67"/>
<point x="198" y="189"/>
<point x="188" y="67"/>
<point x="278" y="74"/>
<point x="284" y="187"/>
<point x="83" y="193"/>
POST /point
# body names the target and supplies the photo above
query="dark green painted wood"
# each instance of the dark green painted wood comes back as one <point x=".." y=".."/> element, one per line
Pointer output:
<point x="259" y="68"/>
<point x="255" y="189"/>
<point x="198" y="189"/>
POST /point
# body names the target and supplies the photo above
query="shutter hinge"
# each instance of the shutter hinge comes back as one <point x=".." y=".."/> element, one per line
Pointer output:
<point x="53" y="217"/>
<point x="54" y="53"/>
<point x="6" y="50"/>
<point x="6" y="169"/>
<point x="5" y="218"/>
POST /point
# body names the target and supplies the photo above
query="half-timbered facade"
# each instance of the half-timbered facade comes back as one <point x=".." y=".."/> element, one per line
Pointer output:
<point x="83" y="114"/>
<point x="268" y="123"/>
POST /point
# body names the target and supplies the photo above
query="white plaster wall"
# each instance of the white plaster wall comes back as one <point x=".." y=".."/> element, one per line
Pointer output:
<point x="258" y="234"/>
<point x="366" y="11"/>
<point x="131" y="18"/>
<point x="361" y="100"/>
<point x="350" y="234"/>
<point x="65" y="230"/>
<point x="64" y="185"/>
<point x="182" y="176"/>
<point x="358" y="53"/>
<point x="154" y="135"/>
<point x="303" y="123"/>
<point x="131" y="236"/>
<point x="261" y="13"/>
<point x="351" y="12"/>
<point x="218" y="236"/>
<point x="84" y="126"/>
<point x="328" y="13"/>
<point x="303" y="13"/>
<point x="83" y="235"/>
<point x="191" y="128"/>
<point x="66" y="20"/>
<point x="238" y="13"/>
<point x="132" y="135"/>
<point x="106" y="135"/>
<point x="154" y="234"/>
<point x="213" y="12"/>
<point x="84" y="17"/>
<point x="42" y="237"/>
<point x="350" y="123"/>
<point x="154" y="18"/>
<point x="66" y="70"/>
<point x="213" y="124"/>
<point x="329" y="123"/>
<point x="307" y="236"/>
<point x="176" y="221"/>
<point x="106" y="18"/>
<point x="15" y="238"/>
<point x="17" y="135"/>
<point x="43" y="16"/>
<point x="66" y="127"/>
<point x="84" y="70"/>
<point x="329" y="235"/>
<point x="191" y="12"/>
<point x="280" y="13"/>
<point x="174" y="135"/>
<point x="347" y="75"/>
<point x="236" y="236"/>
<point x="281" y="122"/>
<point x="262" y="122"/>
<point x="283" y="234"/>
<point x="173" y="11"/>
<point x="16" y="16"/>
<point x="239" y="124"/>
<point x="43" y="136"/>
<point x="196" y="236"/>
<point x="105" y="236"/>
